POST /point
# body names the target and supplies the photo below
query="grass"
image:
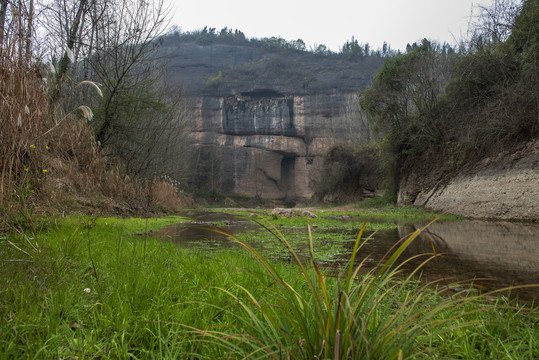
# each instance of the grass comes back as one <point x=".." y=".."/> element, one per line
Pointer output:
<point x="100" y="288"/>
<point x="358" y="212"/>
<point x="381" y="315"/>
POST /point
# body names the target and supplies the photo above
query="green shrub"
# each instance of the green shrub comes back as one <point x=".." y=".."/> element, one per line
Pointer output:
<point x="215" y="81"/>
<point x="348" y="173"/>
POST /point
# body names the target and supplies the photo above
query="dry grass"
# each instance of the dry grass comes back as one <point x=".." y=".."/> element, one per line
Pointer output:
<point x="24" y="124"/>
<point x="164" y="196"/>
<point x="49" y="160"/>
<point x="35" y="145"/>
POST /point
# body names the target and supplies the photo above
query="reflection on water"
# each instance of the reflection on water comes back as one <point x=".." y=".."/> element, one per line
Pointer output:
<point x="492" y="254"/>
<point x="203" y="234"/>
<point x="505" y="253"/>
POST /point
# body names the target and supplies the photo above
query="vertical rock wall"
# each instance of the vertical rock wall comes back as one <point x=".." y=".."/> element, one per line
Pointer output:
<point x="270" y="143"/>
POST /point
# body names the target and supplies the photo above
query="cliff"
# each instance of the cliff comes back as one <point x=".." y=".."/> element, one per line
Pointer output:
<point x="268" y="115"/>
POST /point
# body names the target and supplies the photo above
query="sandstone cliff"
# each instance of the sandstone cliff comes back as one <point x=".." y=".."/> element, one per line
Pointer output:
<point x="270" y="143"/>
<point x="269" y="115"/>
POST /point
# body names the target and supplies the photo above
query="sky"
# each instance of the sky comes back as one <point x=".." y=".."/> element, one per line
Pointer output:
<point x="332" y="22"/>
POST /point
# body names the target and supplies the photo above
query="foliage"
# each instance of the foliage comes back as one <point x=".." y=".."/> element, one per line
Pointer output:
<point x="351" y="50"/>
<point x="348" y="172"/>
<point x="321" y="49"/>
<point x="524" y="38"/>
<point x="435" y="105"/>
<point x="215" y="81"/>
<point x="209" y="35"/>
<point x="407" y="84"/>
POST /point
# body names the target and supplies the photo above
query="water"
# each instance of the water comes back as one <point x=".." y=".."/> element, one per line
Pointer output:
<point x="497" y="254"/>
<point x="492" y="254"/>
<point x="206" y="230"/>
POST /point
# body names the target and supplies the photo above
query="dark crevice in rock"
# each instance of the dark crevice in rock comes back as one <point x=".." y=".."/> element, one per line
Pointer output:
<point x="288" y="164"/>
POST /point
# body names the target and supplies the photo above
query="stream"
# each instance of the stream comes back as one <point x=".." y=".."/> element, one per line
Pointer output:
<point x="493" y="255"/>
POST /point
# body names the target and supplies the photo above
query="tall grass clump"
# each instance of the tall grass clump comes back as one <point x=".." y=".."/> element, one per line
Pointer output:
<point x="362" y="313"/>
<point x="34" y="141"/>
<point x="23" y="119"/>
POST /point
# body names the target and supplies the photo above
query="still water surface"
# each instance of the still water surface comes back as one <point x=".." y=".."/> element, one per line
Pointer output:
<point x="492" y="254"/>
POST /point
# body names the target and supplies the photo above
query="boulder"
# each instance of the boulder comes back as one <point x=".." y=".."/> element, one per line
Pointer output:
<point x="282" y="212"/>
<point x="307" y="213"/>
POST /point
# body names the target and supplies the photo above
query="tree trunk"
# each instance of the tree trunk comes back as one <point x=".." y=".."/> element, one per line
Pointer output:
<point x="3" y="10"/>
<point x="29" y="30"/>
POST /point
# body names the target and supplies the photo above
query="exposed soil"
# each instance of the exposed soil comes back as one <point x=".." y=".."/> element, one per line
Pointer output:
<point x="501" y="187"/>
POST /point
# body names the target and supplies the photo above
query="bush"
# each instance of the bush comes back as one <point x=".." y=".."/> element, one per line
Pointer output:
<point x="215" y="81"/>
<point x="348" y="173"/>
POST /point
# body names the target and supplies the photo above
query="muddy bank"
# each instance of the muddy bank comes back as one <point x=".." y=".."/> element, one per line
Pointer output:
<point x="506" y="187"/>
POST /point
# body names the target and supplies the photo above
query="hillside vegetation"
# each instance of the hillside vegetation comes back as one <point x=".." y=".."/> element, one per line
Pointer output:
<point x="441" y="110"/>
<point x="216" y="63"/>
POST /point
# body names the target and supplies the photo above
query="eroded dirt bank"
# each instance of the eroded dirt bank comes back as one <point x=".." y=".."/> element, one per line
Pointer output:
<point x="505" y="187"/>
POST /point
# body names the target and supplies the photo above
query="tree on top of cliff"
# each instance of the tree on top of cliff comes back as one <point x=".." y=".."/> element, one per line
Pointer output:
<point x="351" y="50"/>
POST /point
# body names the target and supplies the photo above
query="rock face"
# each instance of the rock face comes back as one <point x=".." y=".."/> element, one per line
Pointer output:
<point x="507" y="189"/>
<point x="270" y="143"/>
<point x="269" y="116"/>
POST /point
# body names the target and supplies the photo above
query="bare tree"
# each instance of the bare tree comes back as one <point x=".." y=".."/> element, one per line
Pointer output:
<point x="112" y="43"/>
<point x="59" y="24"/>
<point x="101" y="33"/>
<point x="3" y="12"/>
<point x="123" y="54"/>
<point x="493" y="23"/>
<point x="154" y="141"/>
